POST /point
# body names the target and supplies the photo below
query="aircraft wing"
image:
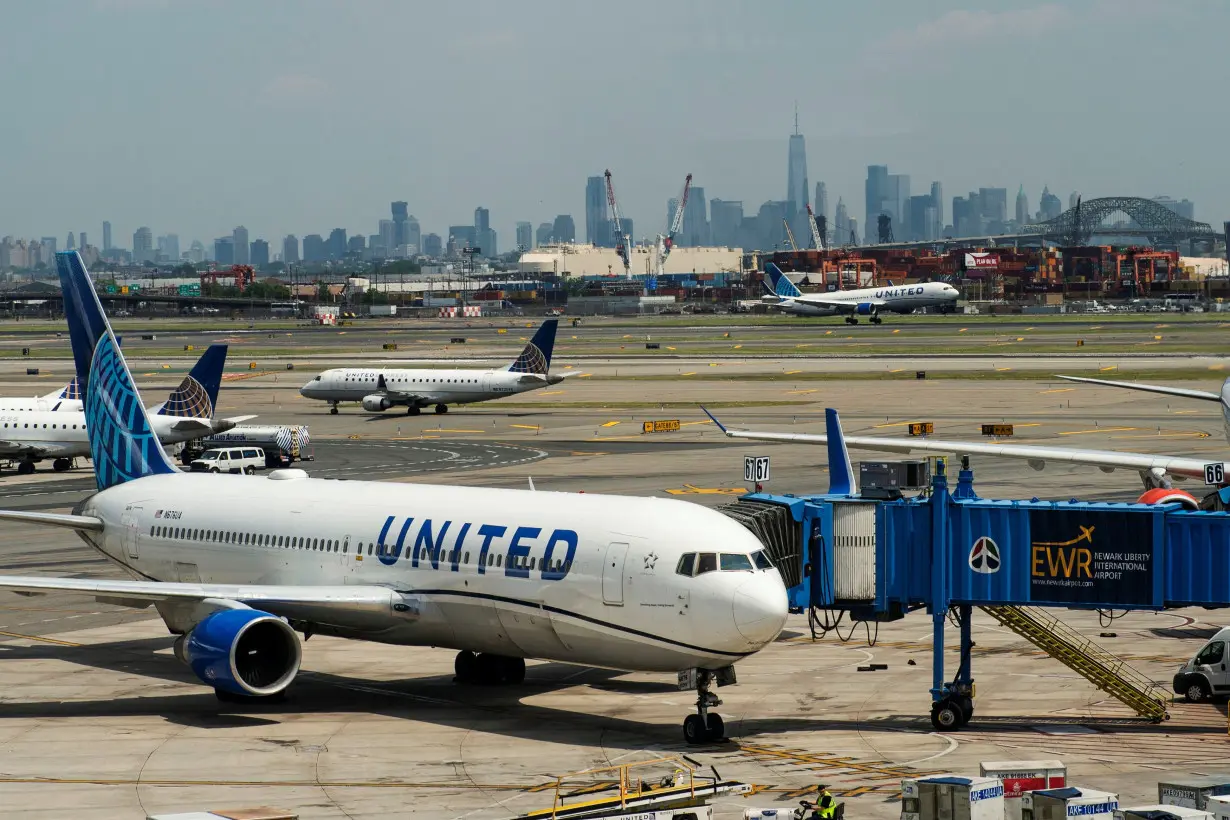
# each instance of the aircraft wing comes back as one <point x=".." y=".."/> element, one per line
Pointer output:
<point x="1203" y="395"/>
<point x="265" y="596"/>
<point x="45" y="449"/>
<point x="1036" y="454"/>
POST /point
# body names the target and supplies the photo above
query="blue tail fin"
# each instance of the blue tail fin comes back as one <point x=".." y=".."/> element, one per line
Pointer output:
<point x="841" y="472"/>
<point x="122" y="442"/>
<point x="536" y="358"/>
<point x="197" y="395"/>
<point x="781" y="285"/>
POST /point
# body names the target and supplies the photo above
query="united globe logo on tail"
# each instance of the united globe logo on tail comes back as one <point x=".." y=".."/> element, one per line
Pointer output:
<point x="536" y="357"/>
<point x="984" y="556"/>
<point x="189" y="400"/>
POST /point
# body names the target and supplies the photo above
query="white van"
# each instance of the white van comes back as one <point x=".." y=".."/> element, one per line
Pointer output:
<point x="1205" y="676"/>
<point x="229" y="460"/>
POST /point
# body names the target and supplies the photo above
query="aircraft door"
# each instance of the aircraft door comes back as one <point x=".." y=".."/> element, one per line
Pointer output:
<point x="132" y="521"/>
<point x="486" y="383"/>
<point x="613" y="574"/>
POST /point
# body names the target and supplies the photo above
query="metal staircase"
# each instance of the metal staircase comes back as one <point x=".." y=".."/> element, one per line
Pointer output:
<point x="1087" y="659"/>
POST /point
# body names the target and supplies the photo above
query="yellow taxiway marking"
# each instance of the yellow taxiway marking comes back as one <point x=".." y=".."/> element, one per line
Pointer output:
<point x="1002" y="369"/>
<point x="585" y="375"/>
<point x="1217" y="367"/>
<point x="1146" y="344"/>
<point x="896" y="331"/>
<point x="449" y="430"/>
<point x="668" y="347"/>
<point x="552" y="393"/>
<point x="1057" y="390"/>
<point x="694" y="423"/>
<point x="587" y="453"/>
<point x="891" y="424"/>
<point x="1108" y="369"/>
<point x="1103" y="430"/>
<point x="738" y="347"/>
<point x="797" y="347"/>
<point x="1185" y="412"/>
<point x="526" y="426"/>
<point x="962" y="330"/>
<point x="616" y="438"/>
<point x="689" y="489"/>
<point x="37" y="638"/>
<point x="898" y="370"/>
<point x="800" y="392"/>
<point x="610" y="424"/>
<point x="692" y="373"/>
<point x="713" y="364"/>
<point x="792" y="372"/>
<point x="1176" y="434"/>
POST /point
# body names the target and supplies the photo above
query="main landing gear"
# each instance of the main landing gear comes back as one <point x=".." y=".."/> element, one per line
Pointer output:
<point x="333" y="409"/>
<point x="25" y="467"/>
<point x="412" y="410"/>
<point x="704" y="726"/>
<point x="61" y="464"/>
<point x="487" y="669"/>
<point x="441" y="409"/>
<point x="853" y="320"/>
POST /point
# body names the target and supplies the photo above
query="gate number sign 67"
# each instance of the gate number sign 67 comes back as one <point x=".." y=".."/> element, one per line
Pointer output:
<point x="755" y="469"/>
<point x="1214" y="474"/>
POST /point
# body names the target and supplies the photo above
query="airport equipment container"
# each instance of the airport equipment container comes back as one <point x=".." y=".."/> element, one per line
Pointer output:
<point x="383" y="310"/>
<point x="1161" y="812"/>
<point x="1060" y="804"/>
<point x="1219" y="807"/>
<point x="1021" y="776"/>
<point x="901" y="475"/>
<point x="948" y="797"/>
<point x="282" y="444"/>
<point x="1192" y="792"/>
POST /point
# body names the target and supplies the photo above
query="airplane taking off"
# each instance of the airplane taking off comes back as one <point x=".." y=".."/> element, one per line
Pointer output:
<point x="60" y="434"/>
<point x="1156" y="471"/>
<point x="785" y="296"/>
<point x="378" y="389"/>
<point x="238" y="565"/>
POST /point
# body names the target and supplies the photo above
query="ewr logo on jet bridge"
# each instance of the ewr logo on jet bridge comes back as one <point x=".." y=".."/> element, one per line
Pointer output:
<point x="984" y="556"/>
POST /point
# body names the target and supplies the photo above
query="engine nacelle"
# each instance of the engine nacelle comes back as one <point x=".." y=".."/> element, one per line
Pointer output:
<point x="243" y="652"/>
<point x="865" y="309"/>
<point x="1162" y="495"/>
<point x="376" y="403"/>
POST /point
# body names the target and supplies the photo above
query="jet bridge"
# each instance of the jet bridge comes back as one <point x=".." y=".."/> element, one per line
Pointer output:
<point x="951" y="551"/>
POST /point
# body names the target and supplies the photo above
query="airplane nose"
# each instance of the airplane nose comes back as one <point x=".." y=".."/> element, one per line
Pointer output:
<point x="760" y="607"/>
<point x="306" y="390"/>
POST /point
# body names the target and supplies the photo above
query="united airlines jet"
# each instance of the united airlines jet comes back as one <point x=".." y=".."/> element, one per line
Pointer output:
<point x="870" y="302"/>
<point x="239" y="566"/>
<point x="378" y="389"/>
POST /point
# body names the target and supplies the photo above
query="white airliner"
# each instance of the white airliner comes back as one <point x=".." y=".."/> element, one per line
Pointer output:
<point x="66" y="398"/>
<point x="871" y="302"/>
<point x="1156" y="471"/>
<point x="378" y="389"/>
<point x="237" y="565"/>
<point x="60" y="434"/>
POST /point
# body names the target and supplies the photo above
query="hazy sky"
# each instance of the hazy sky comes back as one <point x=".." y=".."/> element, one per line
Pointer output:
<point x="297" y="117"/>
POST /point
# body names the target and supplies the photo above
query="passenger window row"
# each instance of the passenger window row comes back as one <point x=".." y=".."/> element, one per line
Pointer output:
<point x="692" y="564"/>
<point x="493" y="559"/>
<point x="250" y="539"/>
<point x="53" y="427"/>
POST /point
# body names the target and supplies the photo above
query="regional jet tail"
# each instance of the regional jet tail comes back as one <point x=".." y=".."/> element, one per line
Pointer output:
<point x="378" y="389"/>
<point x="414" y="565"/>
<point x="851" y="304"/>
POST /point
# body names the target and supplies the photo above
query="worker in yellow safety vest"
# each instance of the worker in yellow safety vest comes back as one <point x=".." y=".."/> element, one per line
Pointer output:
<point x="825" y="805"/>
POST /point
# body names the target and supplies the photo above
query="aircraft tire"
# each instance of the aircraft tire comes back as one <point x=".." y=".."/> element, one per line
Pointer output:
<point x="694" y="730"/>
<point x="490" y="669"/>
<point x="332" y="411"/>
<point x="514" y="670"/>
<point x="716" y="726"/>
<point x="25" y="468"/>
<point x="946" y="716"/>
<point x="466" y="667"/>
<point x="413" y="410"/>
<point x="441" y="409"/>
<point x="61" y="464"/>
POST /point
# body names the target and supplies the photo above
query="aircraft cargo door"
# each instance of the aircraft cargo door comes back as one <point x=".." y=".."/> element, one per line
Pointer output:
<point x="486" y="384"/>
<point x="613" y="574"/>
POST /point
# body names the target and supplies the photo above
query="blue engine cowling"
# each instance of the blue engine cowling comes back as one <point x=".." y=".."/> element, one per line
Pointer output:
<point x="243" y="652"/>
<point x="865" y="309"/>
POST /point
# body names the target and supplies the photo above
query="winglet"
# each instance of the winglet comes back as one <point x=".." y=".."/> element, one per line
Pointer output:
<point x="841" y="473"/>
<point x="713" y="418"/>
<point x="122" y="442"/>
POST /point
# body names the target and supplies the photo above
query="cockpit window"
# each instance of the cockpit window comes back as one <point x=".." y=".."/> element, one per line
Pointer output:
<point x="761" y="560"/>
<point x="707" y="563"/>
<point x="316" y="379"/>
<point x="735" y="562"/>
<point x="687" y="562"/>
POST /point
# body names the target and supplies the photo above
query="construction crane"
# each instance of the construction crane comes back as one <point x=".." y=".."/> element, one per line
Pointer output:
<point x="676" y="225"/>
<point x="816" y="238"/>
<point x="789" y="234"/>
<point x="621" y="241"/>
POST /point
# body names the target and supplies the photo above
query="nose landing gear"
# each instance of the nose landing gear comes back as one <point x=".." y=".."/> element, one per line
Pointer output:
<point x="704" y="726"/>
<point x="333" y="409"/>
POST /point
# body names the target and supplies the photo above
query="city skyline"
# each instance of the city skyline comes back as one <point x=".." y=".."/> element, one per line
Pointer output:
<point x="298" y="172"/>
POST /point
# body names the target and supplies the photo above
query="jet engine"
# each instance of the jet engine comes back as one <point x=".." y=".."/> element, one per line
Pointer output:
<point x="376" y="403"/>
<point x="1162" y="495"/>
<point x="242" y="652"/>
<point x="865" y="309"/>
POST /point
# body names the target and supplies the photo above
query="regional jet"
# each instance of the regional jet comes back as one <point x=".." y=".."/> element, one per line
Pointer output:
<point x="870" y="302"/>
<point x="238" y="566"/>
<point x="378" y="389"/>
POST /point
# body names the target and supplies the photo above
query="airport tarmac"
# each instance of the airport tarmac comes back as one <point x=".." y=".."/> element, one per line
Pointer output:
<point x="97" y="720"/>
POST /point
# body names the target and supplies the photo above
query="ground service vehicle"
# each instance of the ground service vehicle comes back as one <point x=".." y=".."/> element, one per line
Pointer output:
<point x="282" y="444"/>
<point x="1205" y="676"/>
<point x="245" y="460"/>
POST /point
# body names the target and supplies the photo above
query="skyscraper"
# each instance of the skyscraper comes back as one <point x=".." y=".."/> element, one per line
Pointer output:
<point x="432" y="245"/>
<point x="695" y="230"/>
<point x="388" y="237"/>
<point x="597" y="223"/>
<point x="821" y="205"/>
<point x="142" y="245"/>
<point x="224" y="250"/>
<point x="290" y="249"/>
<point x="796" y="170"/>
<point x="483" y="235"/>
<point x="1072" y="197"/>
<point x="564" y="229"/>
<point x="258" y="253"/>
<point x="937" y="197"/>
<point x="400" y="217"/>
<point x="71" y="243"/>
<point x="314" y="248"/>
<point x="525" y="236"/>
<point x="196" y="252"/>
<point x="1022" y="207"/>
<point x="168" y="248"/>
<point x="82" y="239"/>
<point x="243" y="254"/>
<point x="1184" y="207"/>
<point x="335" y="246"/>
<point x="994" y="207"/>
<point x="1049" y="206"/>
<point x="875" y="190"/>
<point x="542" y="235"/>
<point x="106" y="236"/>
<point x="413" y="239"/>
<point x="725" y="222"/>
<point x="841" y="223"/>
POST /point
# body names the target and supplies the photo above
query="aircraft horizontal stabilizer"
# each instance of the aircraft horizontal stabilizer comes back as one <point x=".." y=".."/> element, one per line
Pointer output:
<point x="73" y="522"/>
